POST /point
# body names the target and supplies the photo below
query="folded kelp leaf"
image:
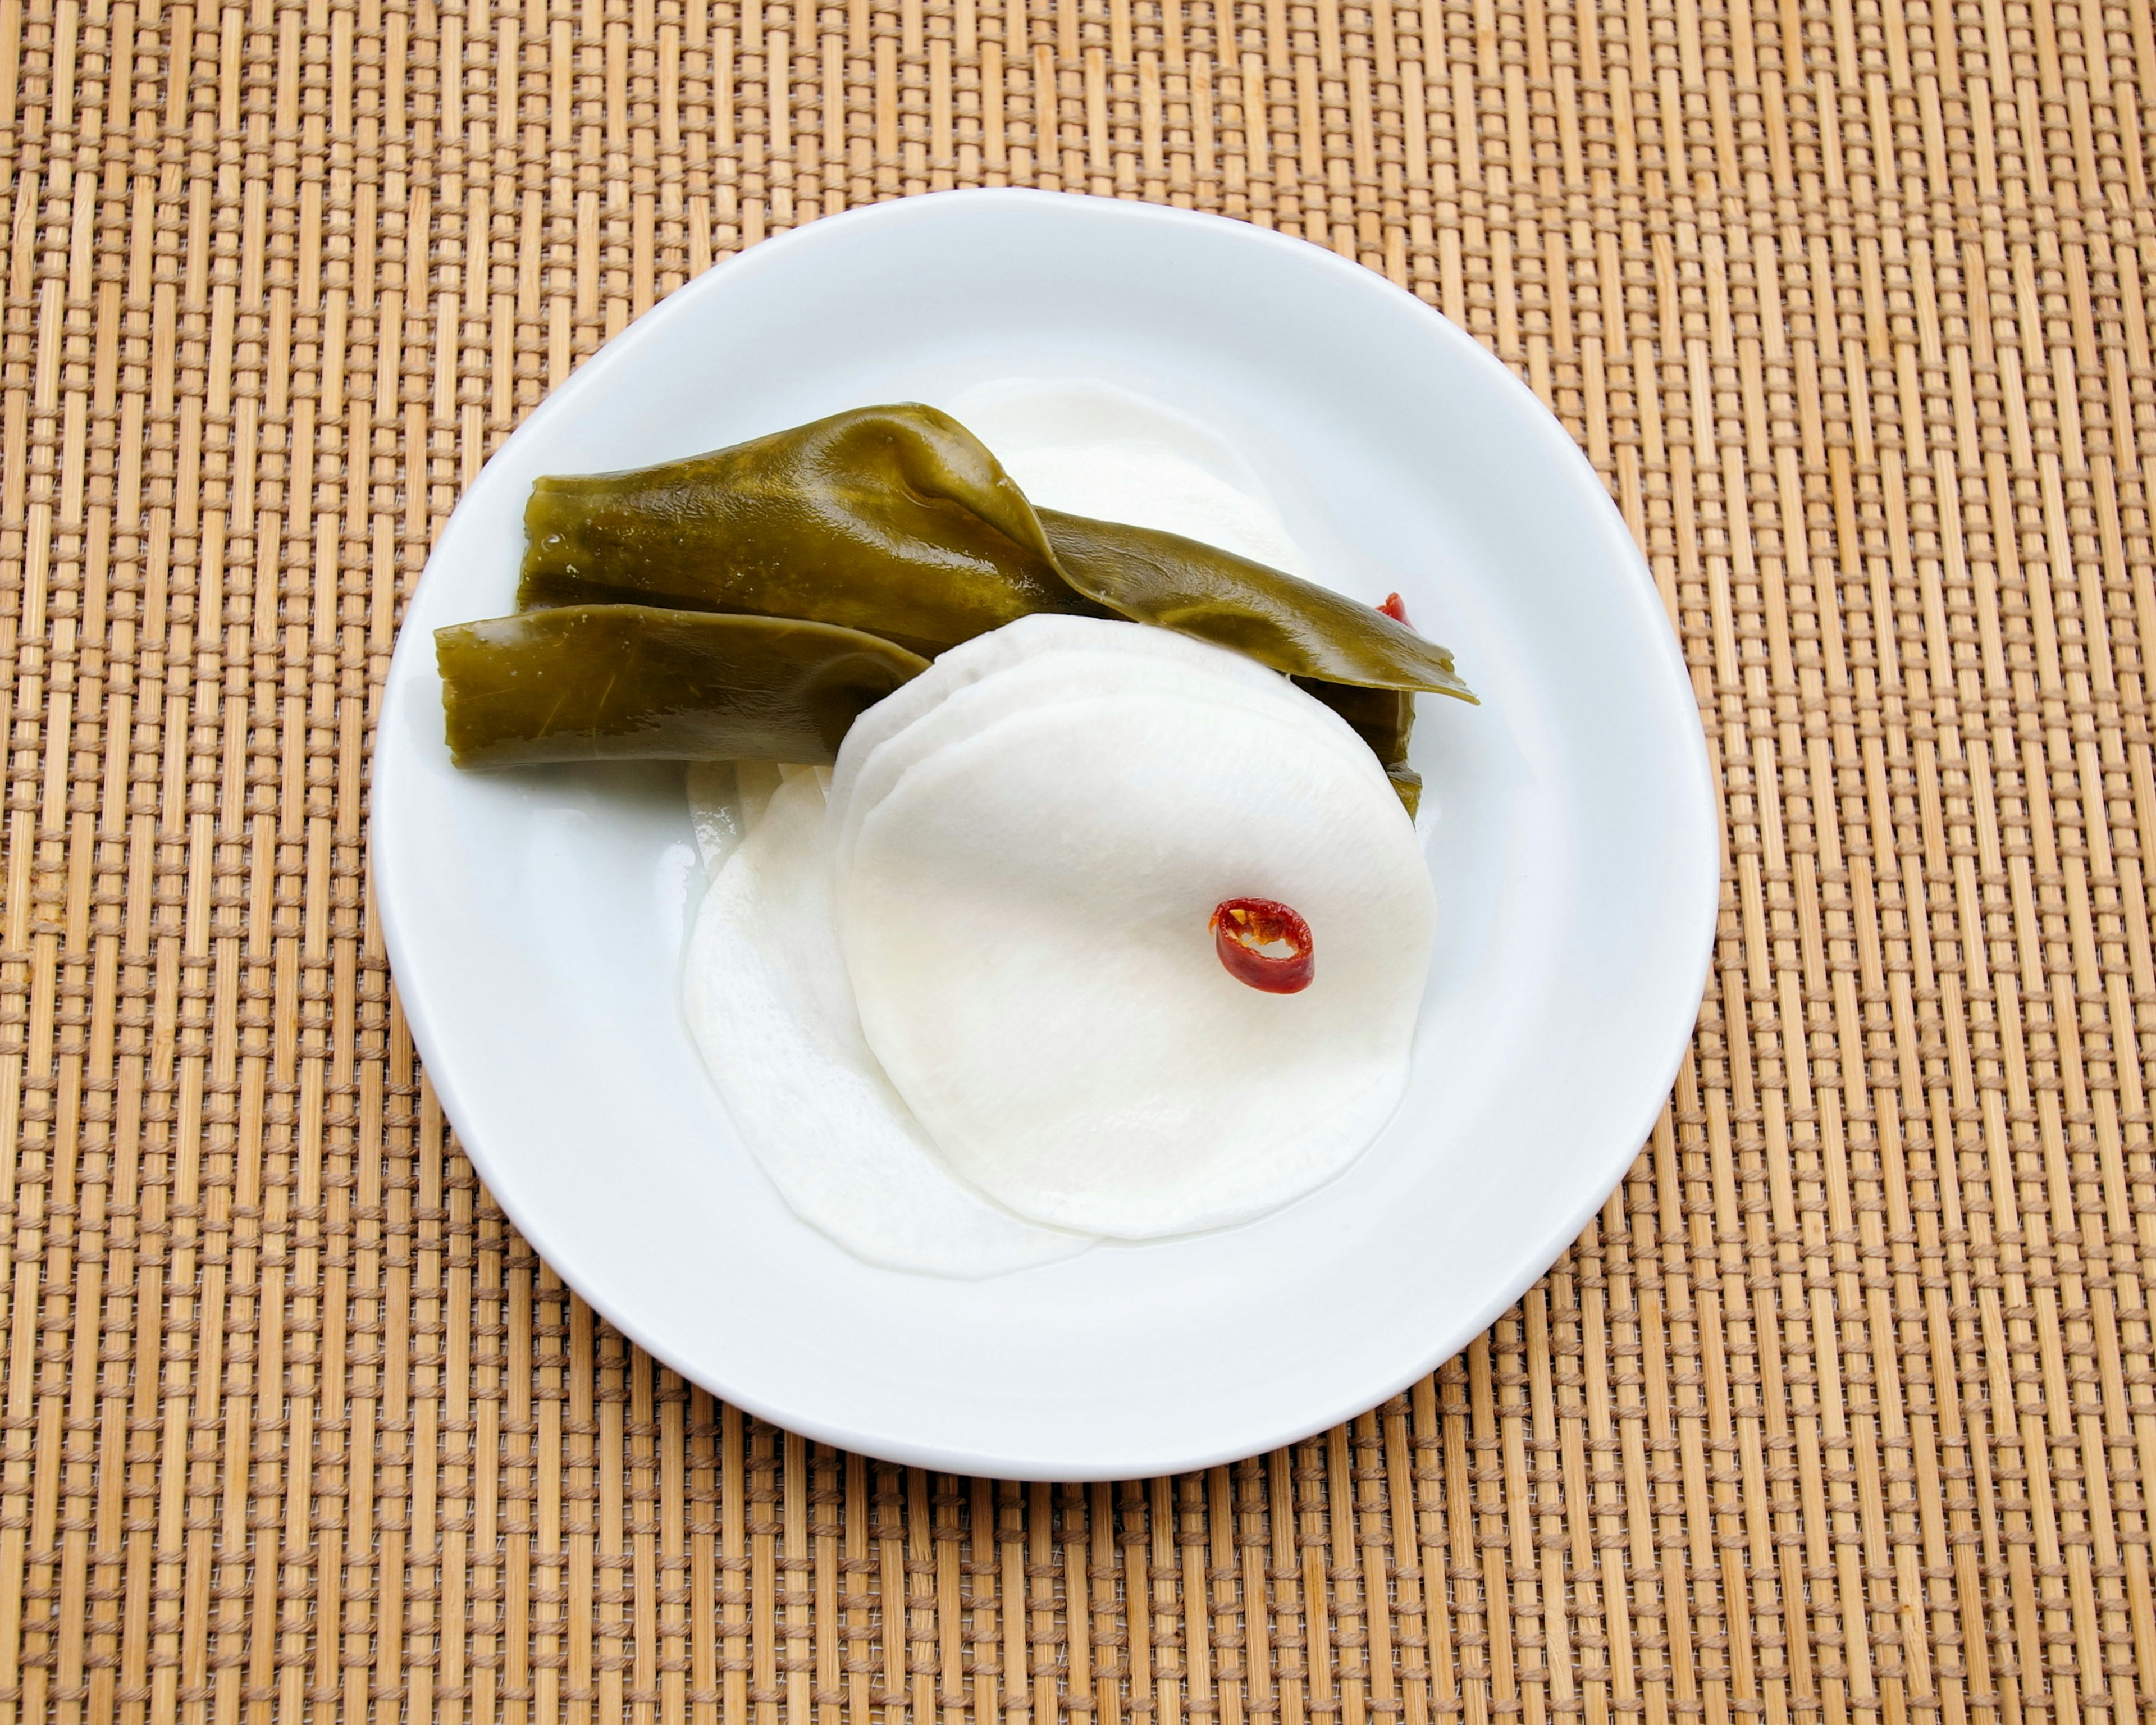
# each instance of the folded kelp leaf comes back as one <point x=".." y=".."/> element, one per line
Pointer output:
<point x="627" y="682"/>
<point x="1278" y="619"/>
<point x="898" y="520"/>
<point x="895" y="520"/>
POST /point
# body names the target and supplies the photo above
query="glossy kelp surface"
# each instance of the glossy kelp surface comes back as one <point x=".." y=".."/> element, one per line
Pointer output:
<point x="626" y="682"/>
<point x="1278" y="619"/>
<point x="899" y="521"/>
<point x="894" y="520"/>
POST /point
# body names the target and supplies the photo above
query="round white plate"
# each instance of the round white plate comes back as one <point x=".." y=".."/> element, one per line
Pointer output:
<point x="535" y="918"/>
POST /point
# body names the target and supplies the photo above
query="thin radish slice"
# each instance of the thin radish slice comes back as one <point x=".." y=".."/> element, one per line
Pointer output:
<point x="1025" y="923"/>
<point x="768" y="1001"/>
<point x="1102" y="658"/>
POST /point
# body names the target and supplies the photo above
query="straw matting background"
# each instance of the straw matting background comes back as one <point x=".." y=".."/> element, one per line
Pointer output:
<point x="1842" y="1408"/>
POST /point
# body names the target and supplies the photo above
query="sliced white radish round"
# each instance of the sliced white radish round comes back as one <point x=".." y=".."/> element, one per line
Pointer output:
<point x="960" y="667"/>
<point x="1026" y="923"/>
<point x="985" y="657"/>
<point x="769" y="1004"/>
<point x="1105" y="659"/>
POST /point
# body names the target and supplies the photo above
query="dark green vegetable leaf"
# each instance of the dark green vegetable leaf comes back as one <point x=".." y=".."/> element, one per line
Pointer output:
<point x="893" y="519"/>
<point x="897" y="520"/>
<point x="1278" y="619"/>
<point x="626" y="682"/>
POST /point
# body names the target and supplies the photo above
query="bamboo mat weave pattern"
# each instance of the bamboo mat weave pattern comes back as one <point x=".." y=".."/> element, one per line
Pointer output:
<point x="1842" y="1408"/>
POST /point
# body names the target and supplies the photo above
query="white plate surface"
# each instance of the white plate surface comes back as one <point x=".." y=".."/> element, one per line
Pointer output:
<point x="535" y="919"/>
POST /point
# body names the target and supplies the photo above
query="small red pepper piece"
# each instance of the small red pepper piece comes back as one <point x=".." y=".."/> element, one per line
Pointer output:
<point x="1393" y="608"/>
<point x="1249" y="934"/>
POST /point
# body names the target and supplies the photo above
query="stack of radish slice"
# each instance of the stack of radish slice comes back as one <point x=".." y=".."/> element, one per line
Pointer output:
<point x="973" y="1012"/>
<point x="767" y="997"/>
<point x="1029" y="842"/>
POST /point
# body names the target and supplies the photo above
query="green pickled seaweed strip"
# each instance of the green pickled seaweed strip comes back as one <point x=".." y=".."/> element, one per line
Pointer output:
<point x="629" y="682"/>
<point x="1385" y="719"/>
<point x="894" y="520"/>
<point x="1406" y="786"/>
<point x="1278" y="619"/>
<point x="898" y="520"/>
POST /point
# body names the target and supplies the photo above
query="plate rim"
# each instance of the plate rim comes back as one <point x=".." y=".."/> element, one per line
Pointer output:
<point x="1702" y="799"/>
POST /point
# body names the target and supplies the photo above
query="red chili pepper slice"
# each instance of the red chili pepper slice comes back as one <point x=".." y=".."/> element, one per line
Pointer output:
<point x="1265" y="944"/>
<point x="1393" y="608"/>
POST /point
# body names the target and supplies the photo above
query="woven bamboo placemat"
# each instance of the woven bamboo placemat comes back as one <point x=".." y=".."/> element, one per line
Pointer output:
<point x="1842" y="1407"/>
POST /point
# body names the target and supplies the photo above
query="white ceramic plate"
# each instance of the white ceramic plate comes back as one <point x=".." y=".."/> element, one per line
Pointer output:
<point x="535" y="918"/>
